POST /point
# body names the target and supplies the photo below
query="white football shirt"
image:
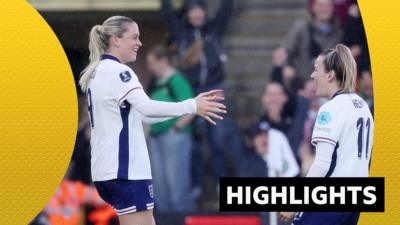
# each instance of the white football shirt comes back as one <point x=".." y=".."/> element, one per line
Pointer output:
<point x="346" y="122"/>
<point x="117" y="106"/>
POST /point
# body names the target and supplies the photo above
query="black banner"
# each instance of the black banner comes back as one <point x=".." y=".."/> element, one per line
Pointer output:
<point x="302" y="194"/>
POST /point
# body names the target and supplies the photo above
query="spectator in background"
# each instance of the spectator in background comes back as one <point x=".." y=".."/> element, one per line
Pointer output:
<point x="66" y="206"/>
<point x="307" y="150"/>
<point x="198" y="41"/>
<point x="201" y="58"/>
<point x="282" y="72"/>
<point x="296" y="106"/>
<point x="171" y="141"/>
<point x="341" y="8"/>
<point x="355" y="38"/>
<point x="272" y="147"/>
<point x="366" y="90"/>
<point x="285" y="111"/>
<point x="274" y="100"/>
<point x="74" y="203"/>
<point x="307" y="38"/>
<point x="253" y="163"/>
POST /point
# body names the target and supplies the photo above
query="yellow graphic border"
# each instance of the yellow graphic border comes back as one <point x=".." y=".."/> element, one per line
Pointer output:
<point x="382" y="26"/>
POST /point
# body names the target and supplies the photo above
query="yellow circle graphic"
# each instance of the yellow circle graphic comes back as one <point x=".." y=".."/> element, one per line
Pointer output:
<point x="38" y="113"/>
<point x="382" y="25"/>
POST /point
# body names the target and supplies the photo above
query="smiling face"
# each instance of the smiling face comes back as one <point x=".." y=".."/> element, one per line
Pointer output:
<point x="321" y="77"/>
<point x="274" y="97"/>
<point x="128" y="45"/>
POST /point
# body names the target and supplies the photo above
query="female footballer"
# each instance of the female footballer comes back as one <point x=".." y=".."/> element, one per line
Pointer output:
<point x="117" y="107"/>
<point x="343" y="132"/>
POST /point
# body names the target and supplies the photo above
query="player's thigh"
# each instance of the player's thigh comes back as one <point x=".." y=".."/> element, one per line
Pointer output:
<point x="137" y="218"/>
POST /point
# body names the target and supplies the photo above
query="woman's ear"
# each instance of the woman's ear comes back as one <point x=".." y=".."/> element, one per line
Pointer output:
<point x="331" y="76"/>
<point x="114" y="41"/>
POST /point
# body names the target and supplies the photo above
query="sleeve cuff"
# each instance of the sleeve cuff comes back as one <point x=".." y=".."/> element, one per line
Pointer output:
<point x="190" y="106"/>
<point x="315" y="140"/>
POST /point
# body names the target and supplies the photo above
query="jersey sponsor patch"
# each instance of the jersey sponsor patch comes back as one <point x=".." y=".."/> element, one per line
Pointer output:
<point x="324" y="118"/>
<point x="125" y="76"/>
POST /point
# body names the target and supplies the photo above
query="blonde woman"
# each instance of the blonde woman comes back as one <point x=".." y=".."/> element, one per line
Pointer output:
<point x="343" y="132"/>
<point x="117" y="107"/>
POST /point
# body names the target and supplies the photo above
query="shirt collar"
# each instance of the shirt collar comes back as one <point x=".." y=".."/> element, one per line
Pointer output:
<point x="337" y="93"/>
<point x="111" y="57"/>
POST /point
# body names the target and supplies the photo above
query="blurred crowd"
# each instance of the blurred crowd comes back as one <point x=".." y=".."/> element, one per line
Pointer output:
<point x="192" y="61"/>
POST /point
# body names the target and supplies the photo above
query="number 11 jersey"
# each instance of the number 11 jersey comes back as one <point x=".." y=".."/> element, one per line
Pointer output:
<point x="346" y="122"/>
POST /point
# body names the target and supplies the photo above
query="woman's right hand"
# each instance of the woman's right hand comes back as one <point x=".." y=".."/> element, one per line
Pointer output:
<point x="208" y="105"/>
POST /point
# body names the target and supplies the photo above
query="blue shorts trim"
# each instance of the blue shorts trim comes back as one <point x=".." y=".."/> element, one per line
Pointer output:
<point x="326" y="218"/>
<point x="127" y="196"/>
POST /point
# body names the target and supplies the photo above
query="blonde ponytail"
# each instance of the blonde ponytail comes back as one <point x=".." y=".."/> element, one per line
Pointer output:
<point x="350" y="68"/>
<point x="96" y="49"/>
<point x="99" y="42"/>
<point x="341" y="61"/>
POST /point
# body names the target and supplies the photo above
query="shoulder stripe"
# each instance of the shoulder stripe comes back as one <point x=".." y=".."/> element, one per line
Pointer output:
<point x="119" y="100"/>
<point x="324" y="139"/>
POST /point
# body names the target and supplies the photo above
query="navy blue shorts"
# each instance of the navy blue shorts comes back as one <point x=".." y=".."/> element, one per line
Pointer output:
<point x="326" y="218"/>
<point x="127" y="196"/>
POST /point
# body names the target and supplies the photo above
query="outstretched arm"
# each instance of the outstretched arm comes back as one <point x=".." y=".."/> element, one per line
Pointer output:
<point x="151" y="108"/>
<point x="152" y="120"/>
<point x="204" y="105"/>
<point x="182" y="122"/>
